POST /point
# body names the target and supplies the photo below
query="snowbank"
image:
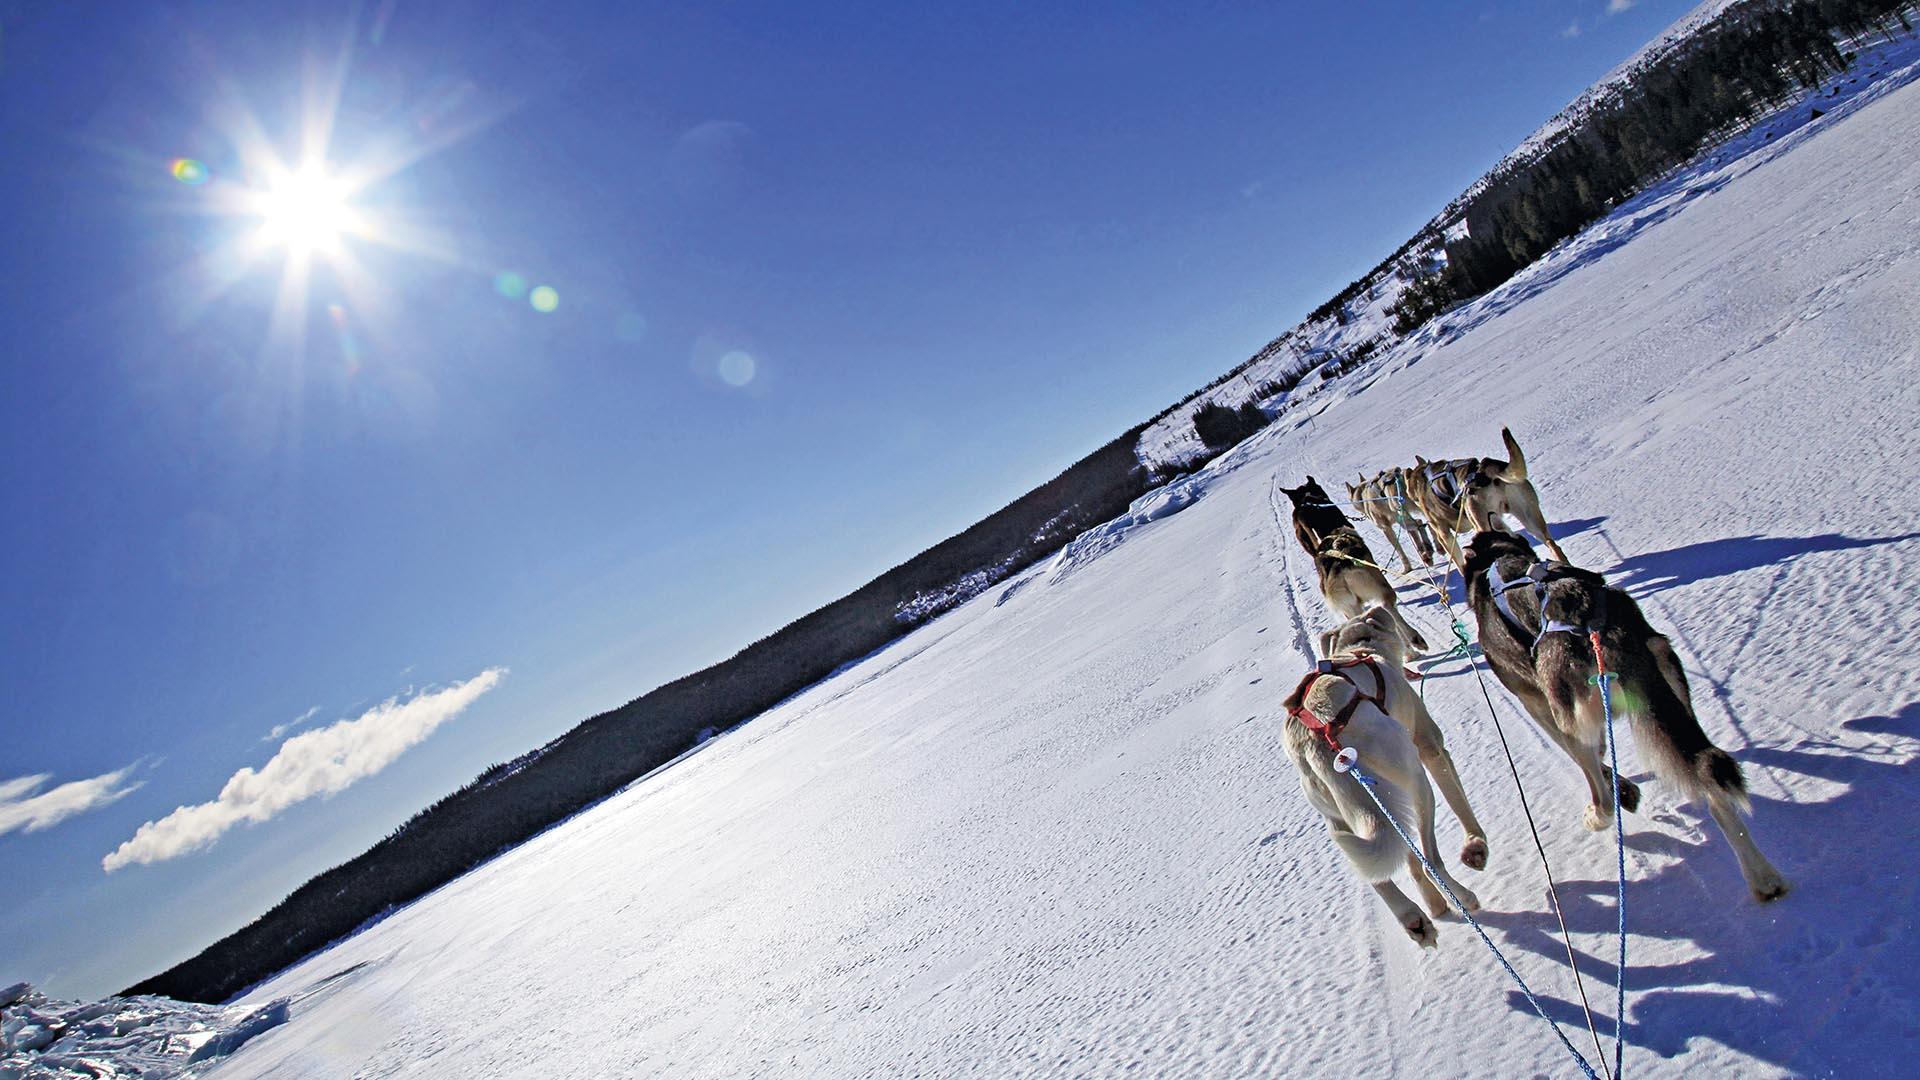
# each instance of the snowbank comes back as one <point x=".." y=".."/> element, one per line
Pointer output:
<point x="42" y="1038"/>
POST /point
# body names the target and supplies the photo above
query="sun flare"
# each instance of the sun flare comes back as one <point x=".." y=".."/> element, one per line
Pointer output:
<point x="323" y="204"/>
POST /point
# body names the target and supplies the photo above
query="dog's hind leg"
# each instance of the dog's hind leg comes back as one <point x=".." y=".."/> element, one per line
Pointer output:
<point x="1374" y="857"/>
<point x="1582" y="752"/>
<point x="1449" y="543"/>
<point x="1763" y="879"/>
<point x="1430" y="845"/>
<point x="1570" y="721"/>
<point x="1711" y="774"/>
<point x="1422" y="542"/>
<point x="1393" y="538"/>
<point x="1432" y="745"/>
<point x="1524" y="503"/>
<point x="1407" y="913"/>
<point x="1430" y="893"/>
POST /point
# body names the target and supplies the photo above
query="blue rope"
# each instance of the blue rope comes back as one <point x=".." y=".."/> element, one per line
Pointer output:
<point x="1620" y="849"/>
<point x="1366" y="784"/>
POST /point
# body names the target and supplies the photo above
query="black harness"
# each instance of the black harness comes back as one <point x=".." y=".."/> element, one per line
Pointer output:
<point x="1539" y="576"/>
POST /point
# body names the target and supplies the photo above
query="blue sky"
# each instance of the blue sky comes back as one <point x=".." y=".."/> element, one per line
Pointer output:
<point x="832" y="283"/>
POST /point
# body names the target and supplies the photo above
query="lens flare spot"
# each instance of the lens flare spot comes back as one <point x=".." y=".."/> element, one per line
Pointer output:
<point x="631" y="328"/>
<point x="188" y="171"/>
<point x="544" y="299"/>
<point x="737" y="368"/>
<point x="510" y="285"/>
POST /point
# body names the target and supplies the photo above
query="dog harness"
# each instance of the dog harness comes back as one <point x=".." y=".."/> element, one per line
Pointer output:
<point x="1539" y="575"/>
<point x="1329" y="730"/>
<point x="1440" y="480"/>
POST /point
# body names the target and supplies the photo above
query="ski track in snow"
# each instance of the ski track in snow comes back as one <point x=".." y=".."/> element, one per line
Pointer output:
<point x="1054" y="831"/>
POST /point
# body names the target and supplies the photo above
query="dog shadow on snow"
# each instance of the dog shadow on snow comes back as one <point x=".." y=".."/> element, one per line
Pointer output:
<point x="1820" y="981"/>
<point x="1657" y="571"/>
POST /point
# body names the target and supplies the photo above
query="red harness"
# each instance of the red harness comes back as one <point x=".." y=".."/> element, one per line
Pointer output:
<point x="1329" y="730"/>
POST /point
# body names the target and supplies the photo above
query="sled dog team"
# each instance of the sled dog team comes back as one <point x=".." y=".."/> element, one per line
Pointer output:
<point x="1540" y="623"/>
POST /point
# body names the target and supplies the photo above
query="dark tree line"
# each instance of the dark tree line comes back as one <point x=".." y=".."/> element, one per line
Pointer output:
<point x="1752" y="59"/>
<point x="1220" y="426"/>
<point x="512" y="801"/>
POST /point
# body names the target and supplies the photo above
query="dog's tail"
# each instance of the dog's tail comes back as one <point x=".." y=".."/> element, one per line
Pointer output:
<point x="1516" y="467"/>
<point x="1664" y="723"/>
<point x="1671" y="740"/>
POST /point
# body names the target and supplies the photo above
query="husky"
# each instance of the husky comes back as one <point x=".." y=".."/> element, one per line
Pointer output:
<point x="1464" y="494"/>
<point x="1315" y="515"/>
<point x="1383" y="500"/>
<point x="1358" y="698"/>
<point x="1352" y="582"/>
<point x="1395" y="483"/>
<point x="1535" y="619"/>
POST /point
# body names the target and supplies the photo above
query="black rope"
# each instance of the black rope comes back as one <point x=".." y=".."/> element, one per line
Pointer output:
<point x="1553" y="889"/>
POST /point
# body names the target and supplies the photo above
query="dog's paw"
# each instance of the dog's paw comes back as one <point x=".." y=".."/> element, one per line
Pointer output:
<point x="1597" y="818"/>
<point x="1769" y="888"/>
<point x="1420" y="929"/>
<point x="1473" y="855"/>
<point x="1629" y="796"/>
<point x="1467" y="898"/>
<point x="1629" y="791"/>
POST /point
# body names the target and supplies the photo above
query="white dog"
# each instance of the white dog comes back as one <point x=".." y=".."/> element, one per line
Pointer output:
<point x="1359" y="697"/>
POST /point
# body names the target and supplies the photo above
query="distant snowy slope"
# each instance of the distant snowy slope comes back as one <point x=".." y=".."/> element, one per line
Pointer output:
<point x="1054" y="831"/>
<point x="1365" y="322"/>
<point x="1610" y="83"/>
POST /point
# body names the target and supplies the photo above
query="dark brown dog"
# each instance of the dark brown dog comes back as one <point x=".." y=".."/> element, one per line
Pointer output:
<point x="1315" y="515"/>
<point x="1535" y="619"/>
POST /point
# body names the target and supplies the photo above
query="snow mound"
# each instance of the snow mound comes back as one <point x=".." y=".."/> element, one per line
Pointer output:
<point x="43" y="1038"/>
<point x="1161" y="502"/>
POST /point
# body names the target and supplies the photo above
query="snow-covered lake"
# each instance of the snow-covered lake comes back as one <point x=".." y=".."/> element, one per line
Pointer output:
<point x="1054" y="831"/>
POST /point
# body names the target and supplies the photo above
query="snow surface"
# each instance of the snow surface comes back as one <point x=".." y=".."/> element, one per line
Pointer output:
<point x="1054" y="831"/>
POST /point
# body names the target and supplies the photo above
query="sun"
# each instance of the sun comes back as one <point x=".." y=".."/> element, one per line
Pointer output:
<point x="305" y="211"/>
<point x="322" y="199"/>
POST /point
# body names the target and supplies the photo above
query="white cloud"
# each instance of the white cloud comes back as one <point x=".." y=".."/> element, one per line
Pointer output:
<point x="298" y="721"/>
<point x="1572" y="30"/>
<point x="24" y="806"/>
<point x="318" y="762"/>
<point x="1615" y="7"/>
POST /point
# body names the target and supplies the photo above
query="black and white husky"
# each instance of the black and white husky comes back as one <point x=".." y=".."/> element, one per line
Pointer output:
<point x="1535" y="619"/>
